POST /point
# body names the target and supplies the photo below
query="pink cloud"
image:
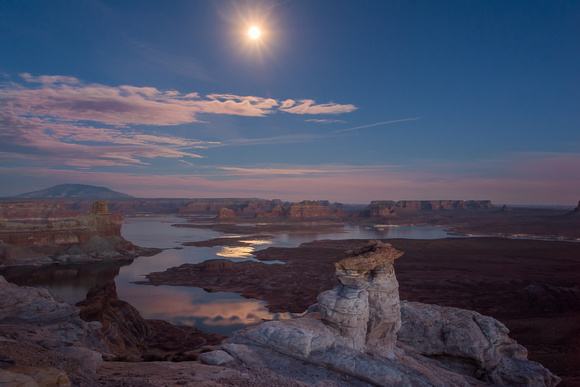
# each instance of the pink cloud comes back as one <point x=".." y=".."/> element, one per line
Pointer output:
<point x="58" y="143"/>
<point x="309" y="106"/>
<point x="236" y="171"/>
<point x="68" y="99"/>
<point x="52" y="117"/>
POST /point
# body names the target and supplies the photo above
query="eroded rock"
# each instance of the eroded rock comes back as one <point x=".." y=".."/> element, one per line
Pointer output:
<point x="131" y="337"/>
<point x="353" y="331"/>
<point x="364" y="308"/>
<point x="36" y="330"/>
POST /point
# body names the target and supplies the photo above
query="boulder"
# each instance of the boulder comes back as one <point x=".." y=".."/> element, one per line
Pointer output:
<point x="34" y="328"/>
<point x="216" y="358"/>
<point x="471" y="344"/>
<point x="31" y="305"/>
<point x="36" y="376"/>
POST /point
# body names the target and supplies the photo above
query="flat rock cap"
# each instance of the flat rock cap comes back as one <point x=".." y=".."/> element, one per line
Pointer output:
<point x="368" y="255"/>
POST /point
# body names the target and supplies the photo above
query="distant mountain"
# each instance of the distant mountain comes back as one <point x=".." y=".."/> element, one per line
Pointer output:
<point x="76" y="191"/>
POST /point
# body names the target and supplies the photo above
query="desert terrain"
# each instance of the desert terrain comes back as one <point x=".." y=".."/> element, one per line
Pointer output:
<point x="523" y="273"/>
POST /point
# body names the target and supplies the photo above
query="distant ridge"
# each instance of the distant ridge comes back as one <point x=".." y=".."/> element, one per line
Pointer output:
<point x="76" y="191"/>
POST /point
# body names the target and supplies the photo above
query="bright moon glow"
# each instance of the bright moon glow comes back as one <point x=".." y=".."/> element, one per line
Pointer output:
<point x="254" y="32"/>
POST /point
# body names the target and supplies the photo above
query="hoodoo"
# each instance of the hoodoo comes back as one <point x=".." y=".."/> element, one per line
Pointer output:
<point x="361" y="329"/>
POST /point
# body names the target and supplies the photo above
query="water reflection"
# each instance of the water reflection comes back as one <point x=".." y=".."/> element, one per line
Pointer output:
<point x="69" y="283"/>
<point x="236" y="252"/>
<point x="242" y="251"/>
<point x="212" y="312"/>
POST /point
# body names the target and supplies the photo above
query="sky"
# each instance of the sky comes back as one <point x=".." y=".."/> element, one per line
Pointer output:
<point x="340" y="100"/>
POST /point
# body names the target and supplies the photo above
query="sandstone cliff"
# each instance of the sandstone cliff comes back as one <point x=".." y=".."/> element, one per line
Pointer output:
<point x="226" y="213"/>
<point x="38" y="211"/>
<point x="362" y="330"/>
<point x="384" y="208"/>
<point x="307" y="209"/>
<point x="243" y="207"/>
<point x="92" y="236"/>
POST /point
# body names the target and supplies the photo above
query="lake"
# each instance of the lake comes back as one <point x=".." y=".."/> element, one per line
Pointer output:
<point x="211" y="312"/>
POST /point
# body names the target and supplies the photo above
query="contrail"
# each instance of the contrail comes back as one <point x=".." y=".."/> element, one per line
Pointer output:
<point x="375" y="124"/>
<point x="275" y="5"/>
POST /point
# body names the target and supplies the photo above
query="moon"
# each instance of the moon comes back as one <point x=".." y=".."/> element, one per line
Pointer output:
<point x="254" y="32"/>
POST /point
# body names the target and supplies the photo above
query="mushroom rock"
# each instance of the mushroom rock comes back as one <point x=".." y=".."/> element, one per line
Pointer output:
<point x="364" y="308"/>
<point x="361" y="329"/>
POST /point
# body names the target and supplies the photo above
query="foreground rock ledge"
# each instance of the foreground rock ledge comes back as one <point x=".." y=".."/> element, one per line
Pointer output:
<point x="361" y="329"/>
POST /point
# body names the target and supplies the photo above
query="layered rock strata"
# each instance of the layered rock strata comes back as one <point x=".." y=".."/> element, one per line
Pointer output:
<point x="93" y="236"/>
<point x="226" y="213"/>
<point x="353" y="330"/>
<point x="364" y="308"/>
<point x="307" y="209"/>
<point x="385" y="208"/>
<point x="244" y="207"/>
<point x="37" y="211"/>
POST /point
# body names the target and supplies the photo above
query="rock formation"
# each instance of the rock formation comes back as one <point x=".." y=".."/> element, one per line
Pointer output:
<point x="360" y="329"/>
<point x="310" y="209"/>
<point x="384" y="208"/>
<point x="49" y="332"/>
<point x="575" y="211"/>
<point x="129" y="336"/>
<point x="245" y="207"/>
<point x="39" y="211"/>
<point x="47" y="231"/>
<point x="364" y="308"/>
<point x="307" y="209"/>
<point x="277" y="212"/>
<point x="93" y="236"/>
<point x="226" y="213"/>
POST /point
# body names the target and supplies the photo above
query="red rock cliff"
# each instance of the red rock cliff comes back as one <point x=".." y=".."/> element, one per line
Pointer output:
<point x="46" y="232"/>
<point x="383" y="208"/>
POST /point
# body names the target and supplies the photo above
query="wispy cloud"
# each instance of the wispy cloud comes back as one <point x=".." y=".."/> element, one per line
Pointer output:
<point x="237" y="171"/>
<point x="68" y="122"/>
<point x="284" y="139"/>
<point x="376" y="124"/>
<point x="68" y="99"/>
<point x="325" y="121"/>
<point x="309" y="106"/>
<point x="73" y="144"/>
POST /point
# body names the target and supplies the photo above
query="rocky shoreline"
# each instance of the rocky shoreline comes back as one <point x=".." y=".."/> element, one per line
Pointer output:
<point x="55" y="340"/>
<point x="530" y="286"/>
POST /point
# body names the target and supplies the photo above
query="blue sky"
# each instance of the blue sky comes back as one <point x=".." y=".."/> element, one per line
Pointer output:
<point x="339" y="100"/>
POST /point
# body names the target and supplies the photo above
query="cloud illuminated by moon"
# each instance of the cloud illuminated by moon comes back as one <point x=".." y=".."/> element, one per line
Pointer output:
<point x="254" y="32"/>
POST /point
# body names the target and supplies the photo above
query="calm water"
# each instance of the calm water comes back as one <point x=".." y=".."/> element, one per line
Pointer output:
<point x="211" y="312"/>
